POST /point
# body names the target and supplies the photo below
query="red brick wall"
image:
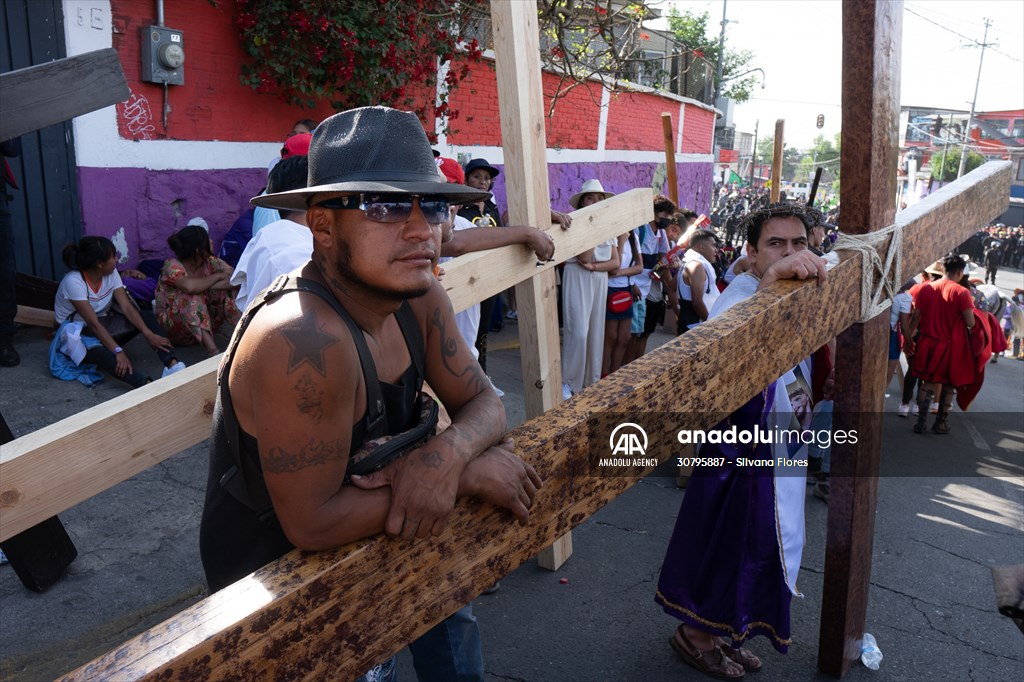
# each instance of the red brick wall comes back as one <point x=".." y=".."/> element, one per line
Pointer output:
<point x="698" y="131"/>
<point x="634" y="121"/>
<point x="212" y="104"/>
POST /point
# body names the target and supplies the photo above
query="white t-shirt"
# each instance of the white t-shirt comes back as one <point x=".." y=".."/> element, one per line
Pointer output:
<point x="625" y="260"/>
<point x="468" y="321"/>
<point x="277" y="249"/>
<point x="900" y="304"/>
<point x="653" y="244"/>
<point x="74" y="288"/>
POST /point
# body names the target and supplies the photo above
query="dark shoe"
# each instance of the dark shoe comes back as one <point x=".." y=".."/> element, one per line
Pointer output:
<point x="8" y="356"/>
<point x="712" y="663"/>
<point x="822" y="490"/>
<point x="940" y="427"/>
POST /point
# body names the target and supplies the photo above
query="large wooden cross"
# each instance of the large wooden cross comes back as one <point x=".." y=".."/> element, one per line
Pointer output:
<point x="336" y="613"/>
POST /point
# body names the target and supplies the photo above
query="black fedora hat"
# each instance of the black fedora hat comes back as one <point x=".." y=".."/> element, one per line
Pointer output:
<point x="371" y="149"/>
<point x="480" y="163"/>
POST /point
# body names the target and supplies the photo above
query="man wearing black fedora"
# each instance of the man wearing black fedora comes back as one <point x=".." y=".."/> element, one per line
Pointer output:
<point x="334" y="356"/>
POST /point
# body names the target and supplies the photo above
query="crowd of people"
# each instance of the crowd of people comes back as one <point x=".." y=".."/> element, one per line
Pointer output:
<point x="338" y="265"/>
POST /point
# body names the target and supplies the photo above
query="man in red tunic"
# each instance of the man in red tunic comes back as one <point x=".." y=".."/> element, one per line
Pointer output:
<point x="942" y="357"/>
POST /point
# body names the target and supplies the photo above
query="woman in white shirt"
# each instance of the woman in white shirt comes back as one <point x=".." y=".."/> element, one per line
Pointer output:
<point x="584" y="297"/>
<point x="94" y="294"/>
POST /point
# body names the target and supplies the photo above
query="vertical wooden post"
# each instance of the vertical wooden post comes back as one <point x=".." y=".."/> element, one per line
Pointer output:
<point x="871" y="72"/>
<point x="670" y="158"/>
<point x="780" y="129"/>
<point x="521" y="107"/>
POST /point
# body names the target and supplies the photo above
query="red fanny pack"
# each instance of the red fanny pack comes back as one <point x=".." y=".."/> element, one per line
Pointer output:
<point x="620" y="301"/>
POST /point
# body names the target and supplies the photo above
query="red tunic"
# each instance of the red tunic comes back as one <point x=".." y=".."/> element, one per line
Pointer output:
<point x="943" y="353"/>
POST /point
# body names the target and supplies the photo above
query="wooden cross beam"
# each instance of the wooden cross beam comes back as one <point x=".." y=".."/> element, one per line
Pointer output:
<point x="42" y="95"/>
<point x="338" y="612"/>
<point x="61" y="465"/>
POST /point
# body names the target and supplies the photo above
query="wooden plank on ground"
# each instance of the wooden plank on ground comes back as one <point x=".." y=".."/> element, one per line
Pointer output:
<point x="36" y="481"/>
<point x="45" y="94"/>
<point x="521" y="109"/>
<point x="336" y="613"/>
<point x="36" y="317"/>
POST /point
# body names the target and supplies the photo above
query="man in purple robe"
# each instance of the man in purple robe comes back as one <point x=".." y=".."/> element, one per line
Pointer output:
<point x="730" y="568"/>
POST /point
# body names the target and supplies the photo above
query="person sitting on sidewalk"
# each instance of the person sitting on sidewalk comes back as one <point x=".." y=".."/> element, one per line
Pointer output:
<point x="92" y="293"/>
<point x="194" y="297"/>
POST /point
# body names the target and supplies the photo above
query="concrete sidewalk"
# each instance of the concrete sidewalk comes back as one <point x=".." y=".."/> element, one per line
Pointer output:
<point x="931" y="606"/>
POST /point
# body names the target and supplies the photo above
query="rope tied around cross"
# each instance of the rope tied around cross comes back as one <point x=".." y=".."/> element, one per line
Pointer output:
<point x="881" y="278"/>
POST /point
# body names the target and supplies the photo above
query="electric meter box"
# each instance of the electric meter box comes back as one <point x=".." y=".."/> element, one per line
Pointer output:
<point x="163" y="55"/>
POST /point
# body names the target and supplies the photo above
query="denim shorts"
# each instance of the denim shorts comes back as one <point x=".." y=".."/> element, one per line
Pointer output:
<point x="894" y="345"/>
<point x="636" y="327"/>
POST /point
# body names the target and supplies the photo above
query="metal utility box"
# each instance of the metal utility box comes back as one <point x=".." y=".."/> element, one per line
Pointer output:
<point x="163" y="55"/>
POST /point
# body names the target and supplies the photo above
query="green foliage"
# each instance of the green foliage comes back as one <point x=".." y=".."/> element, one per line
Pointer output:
<point x="691" y="28"/>
<point x="945" y="169"/>
<point x="355" y="53"/>
<point x="820" y="153"/>
<point x="790" y="156"/>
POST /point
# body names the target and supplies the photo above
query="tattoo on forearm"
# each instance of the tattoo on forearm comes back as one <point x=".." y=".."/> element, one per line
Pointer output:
<point x="310" y="398"/>
<point x="308" y="342"/>
<point x="313" y="453"/>
<point x="475" y="378"/>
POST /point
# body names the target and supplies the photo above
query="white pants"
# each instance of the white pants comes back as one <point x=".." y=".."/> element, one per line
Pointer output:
<point x="583" y="313"/>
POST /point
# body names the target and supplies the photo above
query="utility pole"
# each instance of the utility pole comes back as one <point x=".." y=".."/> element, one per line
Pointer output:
<point x="970" y="117"/>
<point x="753" y="154"/>
<point x="721" y="55"/>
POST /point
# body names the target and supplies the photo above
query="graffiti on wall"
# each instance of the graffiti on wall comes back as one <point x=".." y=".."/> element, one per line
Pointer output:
<point x="136" y="118"/>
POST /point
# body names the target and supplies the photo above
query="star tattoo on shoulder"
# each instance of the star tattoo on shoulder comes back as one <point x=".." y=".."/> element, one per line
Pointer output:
<point x="308" y="342"/>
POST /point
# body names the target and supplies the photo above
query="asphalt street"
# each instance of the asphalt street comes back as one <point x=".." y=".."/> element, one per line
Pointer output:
<point x="937" y="534"/>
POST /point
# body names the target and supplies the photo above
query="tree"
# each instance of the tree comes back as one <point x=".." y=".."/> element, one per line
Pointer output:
<point x="691" y="29"/>
<point x="945" y="170"/>
<point x="790" y="156"/>
<point x="820" y="154"/>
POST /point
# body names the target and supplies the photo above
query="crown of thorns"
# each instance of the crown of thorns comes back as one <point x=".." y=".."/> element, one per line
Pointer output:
<point x="808" y="216"/>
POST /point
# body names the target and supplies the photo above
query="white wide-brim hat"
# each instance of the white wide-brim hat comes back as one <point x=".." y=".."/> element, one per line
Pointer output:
<point x="589" y="187"/>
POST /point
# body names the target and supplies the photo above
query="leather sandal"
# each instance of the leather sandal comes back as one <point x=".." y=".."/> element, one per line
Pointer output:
<point x="712" y="663"/>
<point x="745" y="657"/>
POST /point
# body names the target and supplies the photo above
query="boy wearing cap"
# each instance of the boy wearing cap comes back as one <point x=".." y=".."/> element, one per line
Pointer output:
<point x="292" y="405"/>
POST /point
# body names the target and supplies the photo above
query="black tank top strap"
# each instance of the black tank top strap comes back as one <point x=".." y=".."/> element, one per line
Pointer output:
<point x="410" y="327"/>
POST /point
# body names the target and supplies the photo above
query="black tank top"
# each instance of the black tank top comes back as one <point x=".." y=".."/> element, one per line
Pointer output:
<point x="239" y="532"/>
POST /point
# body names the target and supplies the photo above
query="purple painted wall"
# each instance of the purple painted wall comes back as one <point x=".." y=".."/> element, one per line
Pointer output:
<point x="565" y="179"/>
<point x="151" y="205"/>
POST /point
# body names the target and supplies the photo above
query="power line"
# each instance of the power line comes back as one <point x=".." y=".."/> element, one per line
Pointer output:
<point x="973" y="41"/>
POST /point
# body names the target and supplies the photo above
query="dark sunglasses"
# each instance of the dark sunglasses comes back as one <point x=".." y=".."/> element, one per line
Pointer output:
<point x="392" y="208"/>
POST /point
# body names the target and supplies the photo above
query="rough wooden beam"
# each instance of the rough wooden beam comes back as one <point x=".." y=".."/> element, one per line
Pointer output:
<point x="872" y="32"/>
<point x="42" y="95"/>
<point x="521" y="109"/>
<point x="338" y="611"/>
<point x="36" y="481"/>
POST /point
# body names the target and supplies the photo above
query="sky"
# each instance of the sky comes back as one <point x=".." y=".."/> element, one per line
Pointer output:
<point x="803" y="72"/>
